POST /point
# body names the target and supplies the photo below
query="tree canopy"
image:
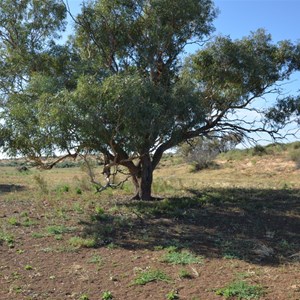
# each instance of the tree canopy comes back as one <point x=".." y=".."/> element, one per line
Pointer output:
<point x="122" y="85"/>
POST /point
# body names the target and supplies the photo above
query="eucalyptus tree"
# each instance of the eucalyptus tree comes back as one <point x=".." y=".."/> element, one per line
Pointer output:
<point x="121" y="86"/>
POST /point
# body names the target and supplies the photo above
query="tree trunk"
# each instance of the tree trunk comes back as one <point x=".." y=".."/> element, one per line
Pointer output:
<point x="146" y="178"/>
<point x="143" y="180"/>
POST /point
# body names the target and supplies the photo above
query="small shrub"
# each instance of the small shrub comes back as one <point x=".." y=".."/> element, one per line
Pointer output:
<point x="241" y="290"/>
<point x="294" y="155"/>
<point x="258" y="150"/>
<point x="149" y="276"/>
<point x="296" y="145"/>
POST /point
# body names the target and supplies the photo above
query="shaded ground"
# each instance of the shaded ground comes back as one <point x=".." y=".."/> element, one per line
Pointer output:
<point x="7" y="188"/>
<point x="69" y="245"/>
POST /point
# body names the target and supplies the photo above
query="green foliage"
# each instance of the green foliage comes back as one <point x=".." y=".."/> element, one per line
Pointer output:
<point x="147" y="276"/>
<point x="241" y="290"/>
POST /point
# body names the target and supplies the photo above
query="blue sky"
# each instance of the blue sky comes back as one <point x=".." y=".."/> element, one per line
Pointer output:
<point x="238" y="18"/>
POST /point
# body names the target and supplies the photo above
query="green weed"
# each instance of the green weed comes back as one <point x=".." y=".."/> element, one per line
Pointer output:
<point x="172" y="295"/>
<point x="107" y="295"/>
<point x="184" y="274"/>
<point x="95" y="259"/>
<point x="59" y="229"/>
<point x="181" y="258"/>
<point x="241" y="290"/>
<point x="63" y="188"/>
<point x="7" y="238"/>
<point x="28" y="222"/>
<point x="13" y="221"/>
<point x="147" y="276"/>
<point x="78" y="191"/>
<point x="79" y="242"/>
<point x="28" y="267"/>
<point x="111" y="246"/>
<point x="78" y="208"/>
<point x="38" y="235"/>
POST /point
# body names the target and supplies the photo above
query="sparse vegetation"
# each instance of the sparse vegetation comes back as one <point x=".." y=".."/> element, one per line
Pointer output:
<point x="59" y="229"/>
<point x="241" y="290"/>
<point x="79" y="242"/>
<point x="231" y="231"/>
<point x="146" y="276"/>
<point x="184" y="274"/>
<point x="183" y="257"/>
<point x="7" y="238"/>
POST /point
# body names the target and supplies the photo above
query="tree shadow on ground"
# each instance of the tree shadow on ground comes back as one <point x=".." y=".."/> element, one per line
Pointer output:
<point x="7" y="188"/>
<point x="258" y="226"/>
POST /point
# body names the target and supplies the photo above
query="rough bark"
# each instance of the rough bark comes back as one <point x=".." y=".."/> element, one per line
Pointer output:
<point x="146" y="178"/>
<point x="142" y="179"/>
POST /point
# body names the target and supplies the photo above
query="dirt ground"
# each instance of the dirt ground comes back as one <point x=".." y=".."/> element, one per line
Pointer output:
<point x="243" y="233"/>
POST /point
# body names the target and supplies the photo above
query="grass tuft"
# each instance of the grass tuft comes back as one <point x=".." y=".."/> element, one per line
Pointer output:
<point x="149" y="276"/>
<point x="79" y="242"/>
<point x="241" y="290"/>
<point x="181" y="258"/>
